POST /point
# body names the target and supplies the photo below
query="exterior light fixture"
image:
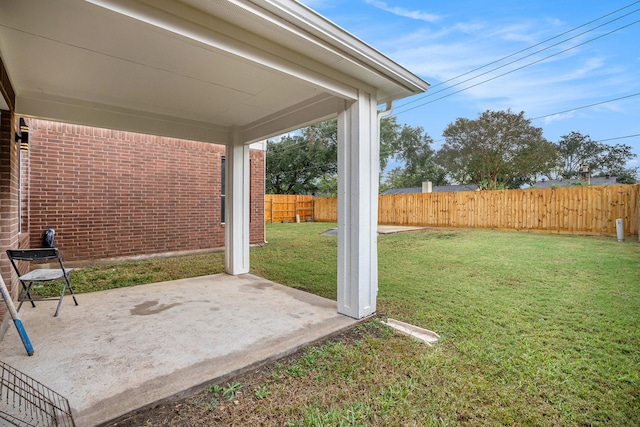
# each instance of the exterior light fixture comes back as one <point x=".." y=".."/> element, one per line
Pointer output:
<point x="23" y="135"/>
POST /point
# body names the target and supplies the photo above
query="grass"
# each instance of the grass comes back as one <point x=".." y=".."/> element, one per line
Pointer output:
<point x="536" y="329"/>
<point x="101" y="278"/>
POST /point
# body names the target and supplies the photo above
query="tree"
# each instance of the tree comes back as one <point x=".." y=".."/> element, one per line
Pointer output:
<point x="307" y="163"/>
<point x="576" y="149"/>
<point x="412" y="146"/>
<point x="613" y="160"/>
<point x="328" y="132"/>
<point x="500" y="149"/>
<point x="389" y="130"/>
<point x="296" y="164"/>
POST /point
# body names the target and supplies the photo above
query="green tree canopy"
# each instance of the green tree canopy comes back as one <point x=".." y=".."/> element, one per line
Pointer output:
<point x="576" y="149"/>
<point x="500" y="149"/>
<point x="306" y="163"/>
<point x="413" y="147"/>
<point x="296" y="164"/>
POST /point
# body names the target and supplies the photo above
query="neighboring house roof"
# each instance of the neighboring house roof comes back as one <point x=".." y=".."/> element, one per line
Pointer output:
<point x="571" y="182"/>
<point x="435" y="189"/>
<point x="203" y="70"/>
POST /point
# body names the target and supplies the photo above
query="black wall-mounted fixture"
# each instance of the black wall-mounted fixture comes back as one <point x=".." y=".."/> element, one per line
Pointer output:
<point x="22" y="136"/>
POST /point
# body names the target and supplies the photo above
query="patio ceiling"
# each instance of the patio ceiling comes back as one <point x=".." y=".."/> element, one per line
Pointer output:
<point x="194" y="69"/>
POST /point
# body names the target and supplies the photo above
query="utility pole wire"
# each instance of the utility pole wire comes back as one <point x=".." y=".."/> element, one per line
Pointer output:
<point x="517" y="69"/>
<point x="524" y="50"/>
<point x="429" y="94"/>
<point x="619" y="137"/>
<point x="587" y="106"/>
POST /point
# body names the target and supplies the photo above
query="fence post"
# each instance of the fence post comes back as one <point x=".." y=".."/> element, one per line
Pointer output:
<point x="271" y="208"/>
<point x="313" y="210"/>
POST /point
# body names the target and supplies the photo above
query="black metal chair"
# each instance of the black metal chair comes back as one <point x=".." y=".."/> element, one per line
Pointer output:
<point x="41" y="275"/>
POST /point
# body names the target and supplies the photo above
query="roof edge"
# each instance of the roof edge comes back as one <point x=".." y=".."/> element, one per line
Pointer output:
<point x="311" y="22"/>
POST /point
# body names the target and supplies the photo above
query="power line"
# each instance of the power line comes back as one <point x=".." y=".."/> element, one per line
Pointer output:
<point x="530" y="47"/>
<point x="619" y="137"/>
<point x="429" y="94"/>
<point x="295" y="147"/>
<point x="587" y="106"/>
<point x="519" y="68"/>
<point x="532" y="63"/>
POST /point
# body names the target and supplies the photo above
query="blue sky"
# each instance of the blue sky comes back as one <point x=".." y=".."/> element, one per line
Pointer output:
<point x="440" y="40"/>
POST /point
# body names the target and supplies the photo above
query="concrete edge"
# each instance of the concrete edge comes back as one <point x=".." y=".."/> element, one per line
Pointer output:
<point x="421" y="334"/>
<point x="143" y="257"/>
<point x="382" y="230"/>
<point x="193" y="390"/>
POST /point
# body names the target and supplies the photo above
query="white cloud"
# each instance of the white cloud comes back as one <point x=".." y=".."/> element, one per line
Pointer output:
<point x="468" y="27"/>
<point x="405" y="13"/>
<point x="586" y="69"/>
<point x="521" y="32"/>
<point x="558" y="117"/>
<point x="544" y="88"/>
<point x="554" y="22"/>
<point x="568" y="80"/>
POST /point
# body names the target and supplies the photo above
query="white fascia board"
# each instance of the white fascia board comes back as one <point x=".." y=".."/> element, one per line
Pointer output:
<point x="57" y="108"/>
<point x="305" y="22"/>
<point x="320" y="108"/>
<point x="260" y="145"/>
<point x="182" y="20"/>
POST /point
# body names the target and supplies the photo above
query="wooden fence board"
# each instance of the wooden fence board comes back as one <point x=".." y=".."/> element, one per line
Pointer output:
<point x="577" y="210"/>
<point x="285" y="207"/>
<point x="326" y="209"/>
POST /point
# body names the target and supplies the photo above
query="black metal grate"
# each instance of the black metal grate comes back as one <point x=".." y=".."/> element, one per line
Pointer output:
<point x="26" y="402"/>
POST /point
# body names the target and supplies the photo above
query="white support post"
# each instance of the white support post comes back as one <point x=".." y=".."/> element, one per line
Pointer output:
<point x="236" y="231"/>
<point x="358" y="169"/>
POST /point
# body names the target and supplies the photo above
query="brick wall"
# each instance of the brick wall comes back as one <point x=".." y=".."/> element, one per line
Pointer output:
<point x="9" y="219"/>
<point x="112" y="194"/>
<point x="257" y="170"/>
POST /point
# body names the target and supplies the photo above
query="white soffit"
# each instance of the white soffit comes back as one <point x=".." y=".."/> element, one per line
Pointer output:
<point x="191" y="69"/>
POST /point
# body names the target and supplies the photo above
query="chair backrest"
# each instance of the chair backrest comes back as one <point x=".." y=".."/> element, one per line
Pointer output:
<point x="33" y="254"/>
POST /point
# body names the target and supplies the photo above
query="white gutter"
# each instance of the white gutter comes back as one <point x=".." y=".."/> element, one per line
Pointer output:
<point x="351" y="47"/>
<point x="387" y="111"/>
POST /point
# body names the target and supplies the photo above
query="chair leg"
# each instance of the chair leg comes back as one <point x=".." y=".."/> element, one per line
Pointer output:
<point x="71" y="290"/>
<point x="26" y="294"/>
<point x="67" y="284"/>
<point x="60" y="300"/>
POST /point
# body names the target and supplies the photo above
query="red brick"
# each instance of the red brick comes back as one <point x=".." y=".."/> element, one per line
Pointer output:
<point x="112" y="193"/>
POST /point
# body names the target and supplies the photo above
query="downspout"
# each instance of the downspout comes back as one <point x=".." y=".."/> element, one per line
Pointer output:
<point x="382" y="114"/>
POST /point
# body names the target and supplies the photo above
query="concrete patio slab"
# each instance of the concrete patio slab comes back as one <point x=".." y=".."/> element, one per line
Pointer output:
<point x="390" y="229"/>
<point x="382" y="229"/>
<point x="123" y="349"/>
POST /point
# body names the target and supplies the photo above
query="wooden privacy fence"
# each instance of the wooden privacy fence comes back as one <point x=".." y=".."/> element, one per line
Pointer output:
<point x="579" y="210"/>
<point x="325" y="209"/>
<point x="285" y="207"/>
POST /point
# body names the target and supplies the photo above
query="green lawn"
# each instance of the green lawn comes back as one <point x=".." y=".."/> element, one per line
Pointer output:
<point x="536" y="329"/>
